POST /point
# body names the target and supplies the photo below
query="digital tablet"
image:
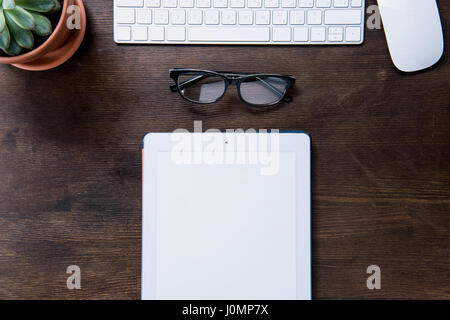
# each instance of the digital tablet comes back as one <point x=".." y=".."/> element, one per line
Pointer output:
<point x="226" y="216"/>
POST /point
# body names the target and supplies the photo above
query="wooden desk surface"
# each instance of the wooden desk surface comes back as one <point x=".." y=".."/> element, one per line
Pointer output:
<point x="70" y="161"/>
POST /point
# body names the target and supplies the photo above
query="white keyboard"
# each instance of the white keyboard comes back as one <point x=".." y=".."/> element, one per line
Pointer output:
<point x="294" y="22"/>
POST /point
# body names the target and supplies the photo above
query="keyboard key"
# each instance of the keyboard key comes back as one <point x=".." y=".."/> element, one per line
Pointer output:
<point x="140" y="33"/>
<point x="212" y="17"/>
<point x="356" y="3"/>
<point x="323" y="3"/>
<point x="314" y="17"/>
<point x="281" y="34"/>
<point x="228" y="34"/>
<point x="353" y="34"/>
<point x="335" y="34"/>
<point x="169" y="3"/>
<point x="340" y="3"/>
<point x="176" y="34"/>
<point x="271" y="3"/>
<point x="178" y="17"/>
<point x="123" y="33"/>
<point x="186" y="3"/>
<point x="228" y="17"/>
<point x="262" y="17"/>
<point x="130" y="3"/>
<point x="152" y="3"/>
<point x="195" y="17"/>
<point x="288" y="3"/>
<point x="301" y="34"/>
<point x="125" y="16"/>
<point x="254" y="3"/>
<point x="318" y="34"/>
<point x="279" y="17"/>
<point x="156" y="33"/>
<point x="245" y="17"/>
<point x="335" y="37"/>
<point x="297" y="17"/>
<point x="336" y="30"/>
<point x="161" y="16"/>
<point x="204" y="3"/>
<point x="220" y="3"/>
<point x="305" y="3"/>
<point x="237" y="3"/>
<point x="144" y="16"/>
<point x="342" y="16"/>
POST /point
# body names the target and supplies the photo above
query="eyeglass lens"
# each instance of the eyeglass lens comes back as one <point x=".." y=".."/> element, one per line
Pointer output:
<point x="200" y="87"/>
<point x="263" y="90"/>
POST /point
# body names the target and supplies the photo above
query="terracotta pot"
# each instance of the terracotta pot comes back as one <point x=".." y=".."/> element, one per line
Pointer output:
<point x="58" y="48"/>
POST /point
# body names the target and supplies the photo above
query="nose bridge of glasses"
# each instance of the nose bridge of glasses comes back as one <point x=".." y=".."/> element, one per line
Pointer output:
<point x="233" y="81"/>
<point x="233" y="78"/>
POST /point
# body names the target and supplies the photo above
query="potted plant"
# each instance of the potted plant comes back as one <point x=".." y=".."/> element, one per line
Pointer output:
<point x="35" y="35"/>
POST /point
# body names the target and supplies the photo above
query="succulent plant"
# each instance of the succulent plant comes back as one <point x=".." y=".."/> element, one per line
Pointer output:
<point x="19" y="19"/>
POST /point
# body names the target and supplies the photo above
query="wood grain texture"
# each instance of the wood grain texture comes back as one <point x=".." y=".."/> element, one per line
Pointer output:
<point x="70" y="161"/>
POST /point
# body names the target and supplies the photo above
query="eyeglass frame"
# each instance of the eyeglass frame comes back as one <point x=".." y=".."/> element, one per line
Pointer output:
<point x="230" y="78"/>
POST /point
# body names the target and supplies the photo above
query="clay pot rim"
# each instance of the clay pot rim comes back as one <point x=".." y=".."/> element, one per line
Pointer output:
<point x="36" y="52"/>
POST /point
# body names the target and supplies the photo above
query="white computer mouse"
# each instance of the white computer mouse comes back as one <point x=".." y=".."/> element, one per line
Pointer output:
<point x="413" y="31"/>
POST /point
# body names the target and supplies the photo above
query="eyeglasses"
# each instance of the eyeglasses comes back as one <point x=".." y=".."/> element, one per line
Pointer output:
<point x="205" y="87"/>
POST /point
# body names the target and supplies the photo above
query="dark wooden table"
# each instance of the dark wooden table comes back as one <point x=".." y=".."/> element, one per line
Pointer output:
<point x="70" y="161"/>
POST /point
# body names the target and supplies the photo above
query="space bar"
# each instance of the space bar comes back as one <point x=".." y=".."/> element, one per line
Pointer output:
<point x="228" y="34"/>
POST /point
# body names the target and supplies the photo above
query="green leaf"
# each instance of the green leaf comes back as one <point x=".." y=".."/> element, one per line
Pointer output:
<point x="14" y="49"/>
<point x="22" y="18"/>
<point x="9" y="4"/>
<point x="5" y="38"/>
<point x="23" y="37"/>
<point x="43" y="26"/>
<point x="2" y="19"/>
<point x="56" y="8"/>
<point x="37" y="5"/>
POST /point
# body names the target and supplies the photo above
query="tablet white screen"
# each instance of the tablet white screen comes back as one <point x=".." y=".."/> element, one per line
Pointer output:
<point x="225" y="231"/>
